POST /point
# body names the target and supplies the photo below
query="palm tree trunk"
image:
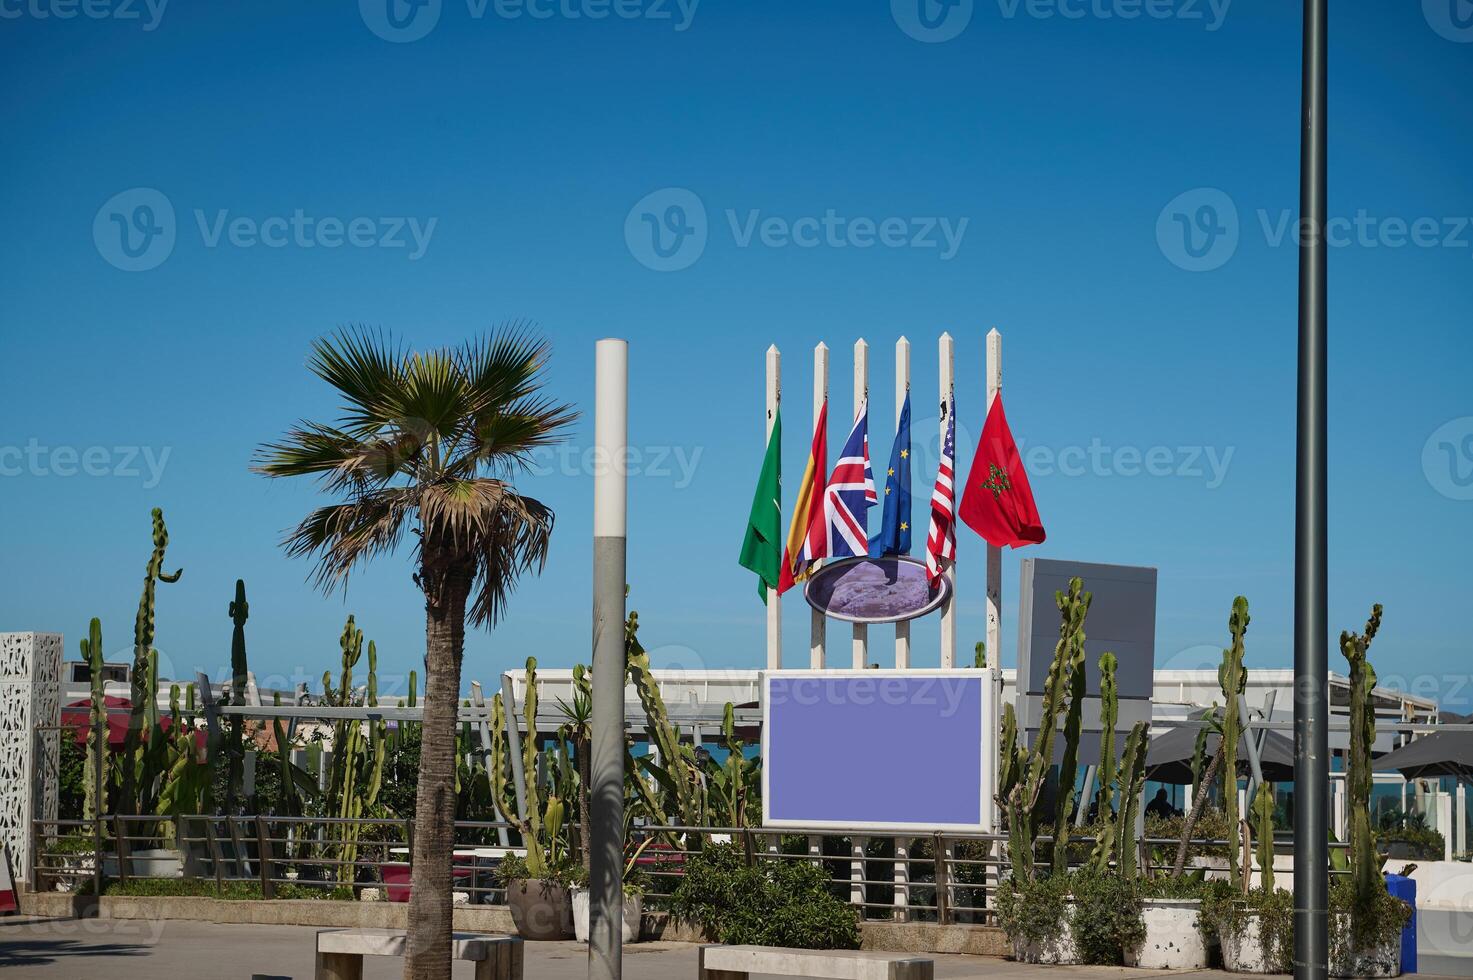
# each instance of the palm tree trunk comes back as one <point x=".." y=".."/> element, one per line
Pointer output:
<point x="1198" y="804"/>
<point x="585" y="814"/>
<point x="446" y="579"/>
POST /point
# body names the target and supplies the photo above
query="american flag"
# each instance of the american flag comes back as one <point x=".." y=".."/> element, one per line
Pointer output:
<point x="850" y="493"/>
<point x="941" y="535"/>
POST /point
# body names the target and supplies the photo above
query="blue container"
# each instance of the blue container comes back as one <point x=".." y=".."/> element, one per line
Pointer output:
<point x="1405" y="889"/>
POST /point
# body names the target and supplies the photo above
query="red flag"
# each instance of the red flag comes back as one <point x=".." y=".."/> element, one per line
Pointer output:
<point x="998" y="503"/>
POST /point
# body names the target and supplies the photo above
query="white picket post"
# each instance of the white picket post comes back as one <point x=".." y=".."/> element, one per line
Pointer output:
<point x="774" y="604"/>
<point x="816" y="626"/>
<point x="861" y="391"/>
<point x="947" y="350"/>
<point x="902" y="387"/>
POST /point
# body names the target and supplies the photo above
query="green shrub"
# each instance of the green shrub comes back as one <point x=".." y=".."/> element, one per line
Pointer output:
<point x="767" y="903"/>
<point x="242" y="891"/>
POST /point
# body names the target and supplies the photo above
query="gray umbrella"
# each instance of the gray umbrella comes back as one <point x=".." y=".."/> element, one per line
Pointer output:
<point x="1169" y="756"/>
<point x="1431" y="756"/>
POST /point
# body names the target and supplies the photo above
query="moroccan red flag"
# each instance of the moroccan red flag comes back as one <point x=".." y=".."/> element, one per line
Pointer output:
<point x="998" y="503"/>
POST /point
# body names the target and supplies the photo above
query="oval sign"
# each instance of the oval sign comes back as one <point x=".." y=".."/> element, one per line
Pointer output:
<point x="874" y="590"/>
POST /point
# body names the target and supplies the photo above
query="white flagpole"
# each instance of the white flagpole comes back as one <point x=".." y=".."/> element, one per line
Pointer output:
<point x="774" y="604"/>
<point x="902" y="386"/>
<point x="820" y="394"/>
<point x="861" y="390"/>
<point x="948" y="614"/>
<point x="992" y="702"/>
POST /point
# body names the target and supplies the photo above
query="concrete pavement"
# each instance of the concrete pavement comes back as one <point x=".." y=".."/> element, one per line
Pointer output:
<point x="137" y="949"/>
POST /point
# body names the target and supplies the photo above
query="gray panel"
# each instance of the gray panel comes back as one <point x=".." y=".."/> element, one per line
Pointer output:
<point x="1122" y="619"/>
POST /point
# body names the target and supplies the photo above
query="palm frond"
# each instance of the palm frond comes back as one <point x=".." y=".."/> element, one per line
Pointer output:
<point x="341" y="536"/>
<point x="366" y="367"/>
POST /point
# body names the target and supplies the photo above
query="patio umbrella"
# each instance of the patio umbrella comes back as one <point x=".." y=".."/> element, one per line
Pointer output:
<point x="1431" y="756"/>
<point x="1169" y="756"/>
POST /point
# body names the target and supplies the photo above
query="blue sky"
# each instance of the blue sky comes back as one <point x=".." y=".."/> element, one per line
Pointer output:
<point x="1112" y="184"/>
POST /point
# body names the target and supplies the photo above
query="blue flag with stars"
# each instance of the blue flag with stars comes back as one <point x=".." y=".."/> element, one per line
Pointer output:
<point x="894" y="536"/>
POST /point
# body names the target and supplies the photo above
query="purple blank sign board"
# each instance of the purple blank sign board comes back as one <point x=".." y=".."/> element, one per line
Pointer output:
<point x="872" y="749"/>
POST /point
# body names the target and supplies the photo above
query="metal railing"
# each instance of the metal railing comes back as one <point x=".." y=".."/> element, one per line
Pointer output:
<point x="944" y="878"/>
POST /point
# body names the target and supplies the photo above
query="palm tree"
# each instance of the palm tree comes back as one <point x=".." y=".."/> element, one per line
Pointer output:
<point x="429" y="442"/>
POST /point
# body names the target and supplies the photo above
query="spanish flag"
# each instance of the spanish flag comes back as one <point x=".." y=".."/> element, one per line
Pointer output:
<point x="804" y="548"/>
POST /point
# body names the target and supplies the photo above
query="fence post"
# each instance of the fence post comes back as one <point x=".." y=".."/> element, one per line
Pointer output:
<point x="215" y="858"/>
<point x="943" y="911"/>
<point x="263" y="858"/>
<point x="122" y="842"/>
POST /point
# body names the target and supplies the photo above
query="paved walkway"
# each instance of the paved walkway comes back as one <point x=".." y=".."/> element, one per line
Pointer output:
<point x="132" y="949"/>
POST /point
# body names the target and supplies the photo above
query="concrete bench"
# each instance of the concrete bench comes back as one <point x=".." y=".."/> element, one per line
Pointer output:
<point x="736" y="962"/>
<point x="340" y="952"/>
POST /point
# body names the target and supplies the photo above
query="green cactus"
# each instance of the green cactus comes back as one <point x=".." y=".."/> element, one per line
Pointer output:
<point x="1105" y="795"/>
<point x="355" y="775"/>
<point x="1232" y="677"/>
<point x="1263" y="826"/>
<point x="1132" y="785"/>
<point x="678" y="772"/>
<point x="1027" y="784"/>
<point x="979" y="655"/>
<point x="1365" y="865"/>
<point x="93" y="806"/>
<point x="185" y="776"/>
<point x="1066" y="792"/>
<point x="544" y="819"/>
<point x="140" y="745"/>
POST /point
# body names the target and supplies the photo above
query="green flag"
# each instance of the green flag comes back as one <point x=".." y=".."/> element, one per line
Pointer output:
<point x="762" y="548"/>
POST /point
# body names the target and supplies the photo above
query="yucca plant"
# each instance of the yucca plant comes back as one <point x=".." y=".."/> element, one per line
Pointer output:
<point x="428" y="443"/>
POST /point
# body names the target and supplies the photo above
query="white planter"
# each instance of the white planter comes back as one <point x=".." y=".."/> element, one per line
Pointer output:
<point x="1242" y="951"/>
<point x="633" y="910"/>
<point x="159" y="862"/>
<point x="1174" y="939"/>
<point x="1055" y="950"/>
<point x="1384" y="961"/>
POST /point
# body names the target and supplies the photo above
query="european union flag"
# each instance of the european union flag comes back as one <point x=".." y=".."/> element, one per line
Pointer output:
<point x="894" y="536"/>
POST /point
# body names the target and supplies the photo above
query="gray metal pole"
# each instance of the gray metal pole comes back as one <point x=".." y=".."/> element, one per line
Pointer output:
<point x="1311" y="587"/>
<point x="606" y="885"/>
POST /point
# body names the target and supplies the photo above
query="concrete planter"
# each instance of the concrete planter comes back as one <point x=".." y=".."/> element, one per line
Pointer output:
<point x="1380" y="961"/>
<point x="1174" y="939"/>
<point x="1242" y="949"/>
<point x="1056" y="950"/>
<point x="633" y="910"/>
<point x="542" y="910"/>
<point x="159" y="862"/>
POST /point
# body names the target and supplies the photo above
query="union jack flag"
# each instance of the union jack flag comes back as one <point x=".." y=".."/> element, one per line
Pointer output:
<point x="941" y="535"/>
<point x="851" y="491"/>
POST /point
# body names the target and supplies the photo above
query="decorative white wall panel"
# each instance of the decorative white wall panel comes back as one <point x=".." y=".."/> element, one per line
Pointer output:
<point x="30" y="695"/>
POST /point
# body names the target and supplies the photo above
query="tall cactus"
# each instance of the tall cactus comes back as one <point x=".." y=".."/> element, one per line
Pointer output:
<point x="1365" y="868"/>
<point x="678" y="772"/>
<point x="1105" y="795"/>
<point x="1232" y="677"/>
<point x="1066" y="791"/>
<point x="1023" y="797"/>
<point x="356" y="773"/>
<point x="544" y="818"/>
<point x="138" y="776"/>
<point x="94" y="805"/>
<point x="240" y="611"/>
<point x="1132" y="785"/>
<point x="185" y="776"/>
<point x="1263" y="826"/>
